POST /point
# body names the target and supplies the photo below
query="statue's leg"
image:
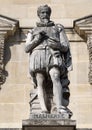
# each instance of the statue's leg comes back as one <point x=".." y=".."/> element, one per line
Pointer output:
<point x="57" y="89"/>
<point x="41" y="94"/>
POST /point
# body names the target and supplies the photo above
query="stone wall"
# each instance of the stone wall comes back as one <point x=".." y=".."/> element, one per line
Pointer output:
<point x="14" y="95"/>
<point x="64" y="11"/>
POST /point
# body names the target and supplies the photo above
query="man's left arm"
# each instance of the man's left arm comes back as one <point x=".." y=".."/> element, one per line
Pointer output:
<point x="65" y="48"/>
<point x="63" y="39"/>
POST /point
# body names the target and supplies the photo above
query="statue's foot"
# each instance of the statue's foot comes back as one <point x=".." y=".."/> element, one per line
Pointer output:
<point x="62" y="110"/>
<point x="69" y="112"/>
<point x="44" y="112"/>
<point x="65" y="111"/>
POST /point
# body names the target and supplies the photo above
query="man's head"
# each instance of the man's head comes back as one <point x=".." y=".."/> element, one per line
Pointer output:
<point x="44" y="13"/>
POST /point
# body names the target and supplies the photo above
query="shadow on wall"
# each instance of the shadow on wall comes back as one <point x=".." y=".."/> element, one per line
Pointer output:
<point x="12" y="41"/>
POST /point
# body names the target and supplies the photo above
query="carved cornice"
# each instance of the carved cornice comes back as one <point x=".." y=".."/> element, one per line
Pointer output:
<point x="83" y="27"/>
<point x="8" y="27"/>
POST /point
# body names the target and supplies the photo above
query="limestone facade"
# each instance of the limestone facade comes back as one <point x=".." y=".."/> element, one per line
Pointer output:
<point x="14" y="93"/>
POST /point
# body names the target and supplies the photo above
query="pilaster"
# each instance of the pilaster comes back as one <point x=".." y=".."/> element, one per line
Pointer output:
<point x="8" y="27"/>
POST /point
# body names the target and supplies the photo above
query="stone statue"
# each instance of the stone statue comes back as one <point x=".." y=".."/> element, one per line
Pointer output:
<point x="50" y="61"/>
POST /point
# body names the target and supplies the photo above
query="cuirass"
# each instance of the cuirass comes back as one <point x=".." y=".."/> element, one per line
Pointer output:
<point x="51" y="31"/>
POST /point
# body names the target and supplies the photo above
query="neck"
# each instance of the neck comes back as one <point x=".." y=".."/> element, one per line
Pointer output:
<point x="45" y="21"/>
<point x="42" y="24"/>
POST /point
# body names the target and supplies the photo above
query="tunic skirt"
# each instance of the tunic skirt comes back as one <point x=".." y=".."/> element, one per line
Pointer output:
<point x="43" y="59"/>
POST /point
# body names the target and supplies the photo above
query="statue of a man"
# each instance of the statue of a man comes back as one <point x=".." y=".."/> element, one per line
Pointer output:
<point x="50" y="58"/>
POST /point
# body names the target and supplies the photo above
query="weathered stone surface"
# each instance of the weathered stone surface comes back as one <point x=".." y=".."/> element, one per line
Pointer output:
<point x="10" y="129"/>
<point x="49" y="124"/>
<point x="49" y="128"/>
<point x="83" y="28"/>
<point x="7" y="28"/>
<point x="42" y="122"/>
<point x="48" y="116"/>
<point x="81" y="91"/>
<point x="49" y="64"/>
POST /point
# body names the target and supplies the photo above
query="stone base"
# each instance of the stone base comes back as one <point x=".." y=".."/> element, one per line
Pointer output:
<point x="48" y="124"/>
<point x="49" y="128"/>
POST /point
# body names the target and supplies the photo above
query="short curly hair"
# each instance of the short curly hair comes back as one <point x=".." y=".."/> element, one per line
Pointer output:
<point x="43" y="7"/>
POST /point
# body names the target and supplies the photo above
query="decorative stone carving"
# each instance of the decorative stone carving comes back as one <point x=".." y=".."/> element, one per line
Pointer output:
<point x="2" y="76"/>
<point x="8" y="27"/>
<point x="83" y="27"/>
<point x="89" y="45"/>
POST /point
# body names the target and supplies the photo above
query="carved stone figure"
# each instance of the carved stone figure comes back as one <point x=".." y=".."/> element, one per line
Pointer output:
<point x="50" y="61"/>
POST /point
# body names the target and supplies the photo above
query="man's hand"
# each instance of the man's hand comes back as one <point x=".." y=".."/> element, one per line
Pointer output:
<point x="37" y="37"/>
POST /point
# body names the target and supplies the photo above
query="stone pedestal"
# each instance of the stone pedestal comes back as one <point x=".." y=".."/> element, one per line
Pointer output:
<point x="48" y="122"/>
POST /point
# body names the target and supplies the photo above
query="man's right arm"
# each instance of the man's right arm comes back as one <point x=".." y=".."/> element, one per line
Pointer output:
<point x="32" y="42"/>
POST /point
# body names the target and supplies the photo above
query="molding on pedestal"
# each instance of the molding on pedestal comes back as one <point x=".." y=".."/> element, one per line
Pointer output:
<point x="62" y="124"/>
<point x="83" y="27"/>
<point x="8" y="27"/>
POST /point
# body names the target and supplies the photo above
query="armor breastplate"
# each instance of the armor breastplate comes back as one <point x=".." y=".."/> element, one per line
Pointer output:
<point x="52" y="32"/>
